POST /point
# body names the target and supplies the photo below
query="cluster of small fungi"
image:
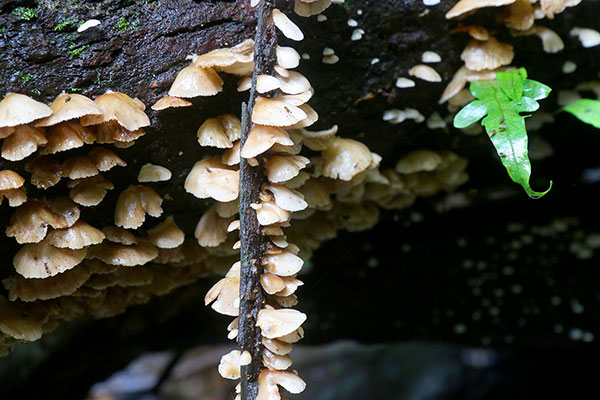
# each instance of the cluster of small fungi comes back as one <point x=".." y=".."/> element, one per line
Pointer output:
<point x="66" y="268"/>
<point x="338" y="186"/>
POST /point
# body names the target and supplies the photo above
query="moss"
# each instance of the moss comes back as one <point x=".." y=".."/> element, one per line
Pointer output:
<point x="66" y="23"/>
<point x="75" y="51"/>
<point x="24" y="13"/>
<point x="125" y="25"/>
<point x="25" y="77"/>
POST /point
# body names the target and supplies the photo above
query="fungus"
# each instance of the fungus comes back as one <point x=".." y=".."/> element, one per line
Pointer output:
<point x="170" y="102"/>
<point x="319" y="140"/>
<point x="41" y="260"/>
<point x="286" y="198"/>
<point x="274" y="324"/>
<point x="430" y="57"/>
<point x="404" y="83"/>
<point x="18" y="109"/>
<point x="269" y="213"/>
<point x="211" y="230"/>
<point x="67" y="107"/>
<point x="22" y="143"/>
<point x="274" y="112"/>
<point x="194" y="81"/>
<point x="465" y="6"/>
<point x="113" y="132"/>
<point x="123" y="255"/>
<point x="287" y="57"/>
<point x="89" y="192"/>
<point x="115" y="106"/>
<point x="345" y="158"/>
<point x="475" y="31"/>
<point x="293" y="83"/>
<point x="18" y="323"/>
<point x="237" y="60"/>
<point x="77" y="236"/>
<point x="78" y="167"/>
<point x="11" y="187"/>
<point x="133" y="205"/>
<point x="224" y="296"/>
<point x="212" y="133"/>
<point x="281" y="168"/>
<point x="552" y="7"/>
<point x="211" y="178"/>
<point x="272" y="283"/>
<point x="490" y="54"/>
<point x="32" y="289"/>
<point x="266" y="83"/>
<point x="119" y="235"/>
<point x="286" y="26"/>
<point x="261" y="138"/>
<point x="166" y="235"/>
<point x="417" y="161"/>
<point x="276" y="362"/>
<point x="425" y="72"/>
<point x="587" y="37"/>
<point x="29" y="223"/>
<point x="153" y="173"/>
<point x="307" y="8"/>
<point x="518" y="15"/>
<point x="283" y="264"/>
<point x="229" y="366"/>
<point x="104" y="159"/>
<point x="551" y="42"/>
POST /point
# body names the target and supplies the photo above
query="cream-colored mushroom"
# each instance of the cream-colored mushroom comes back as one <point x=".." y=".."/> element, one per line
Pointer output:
<point x="211" y="178"/>
<point x="22" y="143"/>
<point x="465" y="6"/>
<point x="41" y="260"/>
<point x="133" y="205"/>
<point x="274" y="324"/>
<point x="18" y="109"/>
<point x="67" y="107"/>
<point x="77" y="236"/>
<point x="286" y="26"/>
<point x="153" y="173"/>
<point x="166" y="235"/>
<point x="211" y="230"/>
<point x="307" y="8"/>
<point x="345" y="158"/>
<point x="489" y="54"/>
<point x="274" y="112"/>
<point x="115" y="106"/>
<point x="194" y="81"/>
<point x="284" y="264"/>
<point x="170" y="102"/>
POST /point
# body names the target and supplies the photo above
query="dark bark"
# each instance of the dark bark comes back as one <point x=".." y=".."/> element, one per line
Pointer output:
<point x="252" y="297"/>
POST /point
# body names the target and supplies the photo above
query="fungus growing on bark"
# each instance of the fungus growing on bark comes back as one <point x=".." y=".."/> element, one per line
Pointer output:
<point x="489" y="54"/>
<point x="11" y="188"/>
<point x="194" y="81"/>
<point x="211" y="178"/>
<point x="166" y="235"/>
<point x="153" y="173"/>
<point x="133" y="205"/>
<point x="425" y="72"/>
<point x="466" y="6"/>
<point x="18" y="109"/>
<point x="22" y="143"/>
<point x="42" y="260"/>
<point x="67" y="107"/>
<point x="115" y="106"/>
<point x="170" y="102"/>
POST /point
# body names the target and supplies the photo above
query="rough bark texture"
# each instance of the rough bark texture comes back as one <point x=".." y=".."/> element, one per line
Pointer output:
<point x="361" y="287"/>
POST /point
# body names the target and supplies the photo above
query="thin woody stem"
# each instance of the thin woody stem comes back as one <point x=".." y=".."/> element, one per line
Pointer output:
<point x="252" y="297"/>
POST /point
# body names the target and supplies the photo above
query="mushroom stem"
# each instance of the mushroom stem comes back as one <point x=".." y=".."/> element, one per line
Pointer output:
<point x="252" y="297"/>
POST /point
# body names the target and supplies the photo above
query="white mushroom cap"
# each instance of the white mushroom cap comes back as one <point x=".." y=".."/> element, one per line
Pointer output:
<point x="417" y="161"/>
<point x="551" y="7"/>
<point x="291" y="285"/>
<point x="124" y="255"/>
<point x="519" y="15"/>
<point x="345" y="158"/>
<point x="272" y="283"/>
<point x="115" y="106"/>
<point x="465" y="6"/>
<point x="78" y="167"/>
<point x="18" y="109"/>
<point x="41" y="260"/>
<point x="307" y="8"/>
<point x="319" y="140"/>
<point x="211" y="178"/>
<point x="266" y="83"/>
<point x="15" y="197"/>
<point x="153" y="173"/>
<point x="286" y="26"/>
<point x="276" y="323"/>
<point x="284" y="264"/>
<point x="212" y="133"/>
<point x="261" y="138"/>
<point x="269" y="213"/>
<point x="89" y="191"/>
<point x="119" y="235"/>
<point x="237" y="60"/>
<point x="232" y="156"/>
<point x="287" y="57"/>
<point x="285" y="198"/>
<point x="588" y="37"/>
<point x="133" y="205"/>
<point x="22" y="143"/>
<point x="78" y="236"/>
<point x="67" y="107"/>
<point x="65" y="136"/>
<point x="193" y="81"/>
<point x="296" y="99"/>
<point x="274" y="112"/>
<point x="211" y="230"/>
<point x="425" y="72"/>
<point x="276" y="346"/>
<point x="104" y="159"/>
<point x="224" y="296"/>
<point x="489" y="54"/>
<point x="229" y="366"/>
<point x="227" y="209"/>
<point x="29" y="223"/>
<point x="276" y="362"/>
<point x="10" y="180"/>
<point x="170" y="102"/>
<point x="293" y="83"/>
<point x="281" y="168"/>
<point x="166" y="235"/>
<point x="311" y="118"/>
<point x="430" y="57"/>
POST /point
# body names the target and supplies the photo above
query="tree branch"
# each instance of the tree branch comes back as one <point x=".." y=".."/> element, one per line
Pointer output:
<point x="252" y="240"/>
